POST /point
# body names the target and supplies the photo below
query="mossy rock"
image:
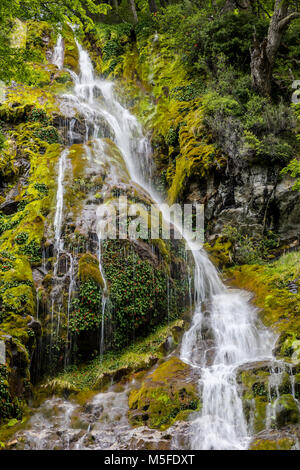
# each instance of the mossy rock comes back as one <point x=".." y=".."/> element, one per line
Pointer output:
<point x="220" y="252"/>
<point x="164" y="395"/>
<point x="268" y="444"/>
<point x="89" y="269"/>
<point x="71" y="51"/>
<point x="287" y="411"/>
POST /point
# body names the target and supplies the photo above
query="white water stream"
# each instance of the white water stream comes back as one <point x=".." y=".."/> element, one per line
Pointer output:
<point x="224" y="316"/>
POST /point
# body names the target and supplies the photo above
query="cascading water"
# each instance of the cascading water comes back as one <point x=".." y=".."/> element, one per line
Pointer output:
<point x="225" y="332"/>
<point x="58" y="53"/>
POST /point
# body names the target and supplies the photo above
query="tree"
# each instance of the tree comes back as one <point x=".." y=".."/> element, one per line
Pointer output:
<point x="57" y="12"/>
<point x="152" y="6"/>
<point x="134" y="13"/>
<point x="263" y="55"/>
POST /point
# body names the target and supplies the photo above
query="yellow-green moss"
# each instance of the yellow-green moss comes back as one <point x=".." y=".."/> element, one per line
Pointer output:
<point x="89" y="269"/>
<point x="71" y="51"/>
<point x="219" y="252"/>
<point x="268" y="444"/>
<point x="18" y="34"/>
<point x="163" y="396"/>
<point x="139" y="356"/>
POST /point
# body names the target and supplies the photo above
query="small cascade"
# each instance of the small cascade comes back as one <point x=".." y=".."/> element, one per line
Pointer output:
<point x="58" y="53"/>
<point x="103" y="300"/>
<point x="62" y="425"/>
<point x="58" y="219"/>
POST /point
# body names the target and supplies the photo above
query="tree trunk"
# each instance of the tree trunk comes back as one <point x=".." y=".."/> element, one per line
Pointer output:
<point x="152" y="6"/>
<point x="263" y="55"/>
<point x="133" y="8"/>
<point x="261" y="69"/>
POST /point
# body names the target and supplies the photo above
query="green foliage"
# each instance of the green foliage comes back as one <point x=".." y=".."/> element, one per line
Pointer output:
<point x="33" y="251"/>
<point x="38" y="115"/>
<point x="8" y="222"/>
<point x="138" y="293"/>
<point x="186" y="93"/>
<point x="202" y="38"/>
<point x="42" y="188"/>
<point x="8" y="407"/>
<point x="14" y="57"/>
<point x="47" y="134"/>
<point x="293" y="169"/>
<point x="115" y="39"/>
<point x="86" y="308"/>
<point x="249" y="250"/>
<point x="21" y="238"/>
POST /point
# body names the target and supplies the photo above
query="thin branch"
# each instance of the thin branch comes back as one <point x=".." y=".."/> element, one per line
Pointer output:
<point x="285" y="21"/>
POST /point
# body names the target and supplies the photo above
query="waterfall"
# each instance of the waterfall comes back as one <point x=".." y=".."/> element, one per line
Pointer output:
<point x="236" y="337"/>
<point x="225" y="332"/>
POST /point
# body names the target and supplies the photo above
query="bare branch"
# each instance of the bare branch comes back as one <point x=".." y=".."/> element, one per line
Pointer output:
<point x="285" y="21"/>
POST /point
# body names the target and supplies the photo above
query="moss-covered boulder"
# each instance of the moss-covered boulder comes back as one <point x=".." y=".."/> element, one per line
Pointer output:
<point x="88" y="269"/>
<point x="287" y="411"/>
<point x="276" y="444"/>
<point x="71" y="51"/>
<point x="267" y="389"/>
<point x="167" y="395"/>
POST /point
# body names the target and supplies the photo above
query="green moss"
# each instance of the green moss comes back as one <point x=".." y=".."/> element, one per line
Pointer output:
<point x="287" y="411"/>
<point x="89" y="269"/>
<point x="71" y="51"/>
<point x="163" y="396"/>
<point x="18" y="34"/>
<point x="219" y="252"/>
<point x="140" y="355"/>
<point x="269" y="444"/>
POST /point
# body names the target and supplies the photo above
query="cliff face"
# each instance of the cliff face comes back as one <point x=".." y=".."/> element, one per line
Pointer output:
<point x="253" y="198"/>
<point x="64" y="296"/>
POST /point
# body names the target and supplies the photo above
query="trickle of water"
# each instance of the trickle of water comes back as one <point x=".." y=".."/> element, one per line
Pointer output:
<point x="60" y="202"/>
<point x="58" y="53"/>
<point x="104" y="299"/>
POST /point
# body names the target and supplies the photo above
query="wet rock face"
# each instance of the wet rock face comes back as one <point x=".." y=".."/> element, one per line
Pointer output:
<point x="270" y="393"/>
<point x="287" y="438"/>
<point x="249" y="196"/>
<point x="167" y="395"/>
<point x="100" y="424"/>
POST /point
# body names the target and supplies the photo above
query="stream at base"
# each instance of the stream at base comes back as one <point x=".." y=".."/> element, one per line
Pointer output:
<point x="225" y="333"/>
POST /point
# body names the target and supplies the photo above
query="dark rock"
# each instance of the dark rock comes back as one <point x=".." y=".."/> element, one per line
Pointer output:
<point x="9" y="207"/>
<point x="35" y="326"/>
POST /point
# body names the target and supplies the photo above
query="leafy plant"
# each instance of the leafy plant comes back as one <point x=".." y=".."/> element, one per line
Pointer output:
<point x="86" y="308"/>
